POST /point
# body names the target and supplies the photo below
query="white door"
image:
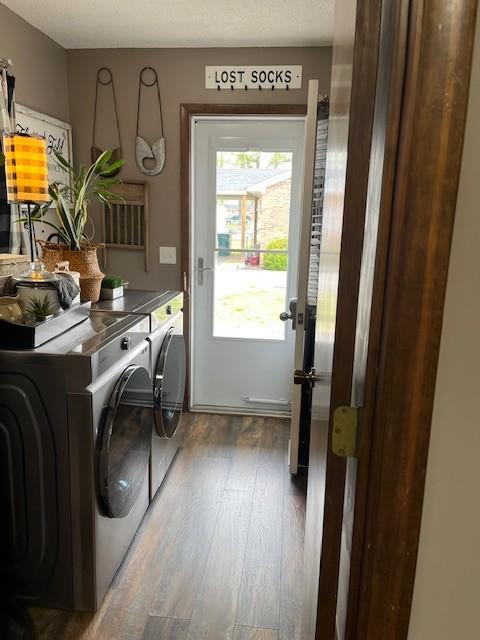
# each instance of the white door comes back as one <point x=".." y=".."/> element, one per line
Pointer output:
<point x="247" y="180"/>
<point x="308" y="262"/>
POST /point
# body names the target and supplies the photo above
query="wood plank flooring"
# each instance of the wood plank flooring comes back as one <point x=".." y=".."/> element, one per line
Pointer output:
<point x="219" y="555"/>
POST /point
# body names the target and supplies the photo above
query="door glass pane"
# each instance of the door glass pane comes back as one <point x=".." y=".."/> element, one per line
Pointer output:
<point x="248" y="298"/>
<point x="251" y="258"/>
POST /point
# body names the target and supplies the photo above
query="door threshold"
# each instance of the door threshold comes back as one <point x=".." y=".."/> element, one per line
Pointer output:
<point x="239" y="411"/>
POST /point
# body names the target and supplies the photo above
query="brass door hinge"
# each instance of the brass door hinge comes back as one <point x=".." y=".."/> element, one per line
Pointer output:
<point x="344" y="435"/>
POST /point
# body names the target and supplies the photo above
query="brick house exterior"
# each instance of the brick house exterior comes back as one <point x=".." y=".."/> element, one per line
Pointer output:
<point x="274" y="212"/>
<point x="265" y="193"/>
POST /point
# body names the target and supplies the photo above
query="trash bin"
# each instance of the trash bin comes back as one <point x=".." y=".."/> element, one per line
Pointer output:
<point x="223" y="240"/>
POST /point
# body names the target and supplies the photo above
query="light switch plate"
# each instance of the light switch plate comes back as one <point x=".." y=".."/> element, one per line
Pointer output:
<point x="168" y="255"/>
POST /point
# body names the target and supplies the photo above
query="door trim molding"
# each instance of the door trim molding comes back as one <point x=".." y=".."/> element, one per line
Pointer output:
<point x="187" y="110"/>
<point x="416" y="217"/>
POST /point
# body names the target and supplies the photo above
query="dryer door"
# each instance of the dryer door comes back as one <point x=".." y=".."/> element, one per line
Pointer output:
<point x="126" y="441"/>
<point x="169" y="384"/>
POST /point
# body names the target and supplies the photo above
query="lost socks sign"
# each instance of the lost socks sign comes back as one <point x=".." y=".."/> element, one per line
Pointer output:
<point x="251" y="77"/>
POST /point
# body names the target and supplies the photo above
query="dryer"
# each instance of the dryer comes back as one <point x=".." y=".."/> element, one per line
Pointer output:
<point x="168" y="366"/>
<point x="164" y="311"/>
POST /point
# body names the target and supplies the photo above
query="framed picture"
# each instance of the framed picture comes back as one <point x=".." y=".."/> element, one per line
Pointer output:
<point x="57" y="133"/>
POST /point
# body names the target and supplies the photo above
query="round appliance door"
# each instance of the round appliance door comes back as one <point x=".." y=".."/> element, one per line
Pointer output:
<point x="169" y="384"/>
<point x="126" y="441"/>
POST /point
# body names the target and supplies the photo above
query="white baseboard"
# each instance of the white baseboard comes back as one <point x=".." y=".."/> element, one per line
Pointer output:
<point x="240" y="411"/>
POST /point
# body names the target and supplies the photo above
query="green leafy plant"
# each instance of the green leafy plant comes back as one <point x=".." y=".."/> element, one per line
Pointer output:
<point x="39" y="308"/>
<point x="112" y="282"/>
<point x="276" y="261"/>
<point x="71" y="201"/>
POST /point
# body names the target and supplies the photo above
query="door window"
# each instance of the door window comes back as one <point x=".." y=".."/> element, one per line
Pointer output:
<point x="251" y="243"/>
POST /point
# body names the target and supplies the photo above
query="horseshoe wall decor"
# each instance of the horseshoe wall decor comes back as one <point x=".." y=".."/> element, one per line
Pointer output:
<point x="143" y="151"/>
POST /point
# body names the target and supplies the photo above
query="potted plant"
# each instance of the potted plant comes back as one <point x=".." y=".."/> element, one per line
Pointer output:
<point x="112" y="287"/>
<point x="40" y="310"/>
<point x="71" y="204"/>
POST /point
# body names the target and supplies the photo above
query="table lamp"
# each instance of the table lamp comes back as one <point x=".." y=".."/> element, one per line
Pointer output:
<point x="26" y="172"/>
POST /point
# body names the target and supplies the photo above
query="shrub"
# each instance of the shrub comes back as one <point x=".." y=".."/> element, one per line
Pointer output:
<point x="276" y="261"/>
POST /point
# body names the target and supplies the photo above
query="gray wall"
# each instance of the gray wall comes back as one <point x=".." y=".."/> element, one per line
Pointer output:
<point x="182" y="79"/>
<point x="446" y="596"/>
<point x="39" y="63"/>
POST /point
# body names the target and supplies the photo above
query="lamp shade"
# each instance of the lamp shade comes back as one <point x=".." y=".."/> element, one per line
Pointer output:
<point x="26" y="168"/>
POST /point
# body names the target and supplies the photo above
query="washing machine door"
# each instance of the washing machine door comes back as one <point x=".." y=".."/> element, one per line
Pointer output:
<point x="126" y="441"/>
<point x="169" y="384"/>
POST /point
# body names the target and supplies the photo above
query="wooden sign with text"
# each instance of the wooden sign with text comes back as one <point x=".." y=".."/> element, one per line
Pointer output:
<point x="252" y="77"/>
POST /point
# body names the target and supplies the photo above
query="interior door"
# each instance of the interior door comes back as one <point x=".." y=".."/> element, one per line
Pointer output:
<point x="247" y="178"/>
<point x="302" y="313"/>
<point x="354" y="173"/>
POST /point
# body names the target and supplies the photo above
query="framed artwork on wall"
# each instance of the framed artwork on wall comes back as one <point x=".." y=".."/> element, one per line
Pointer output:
<point x="57" y="133"/>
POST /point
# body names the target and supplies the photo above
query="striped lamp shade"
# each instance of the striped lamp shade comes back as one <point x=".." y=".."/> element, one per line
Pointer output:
<point x="26" y="168"/>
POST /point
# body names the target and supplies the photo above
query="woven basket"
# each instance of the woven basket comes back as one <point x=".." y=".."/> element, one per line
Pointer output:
<point x="85" y="262"/>
<point x="51" y="254"/>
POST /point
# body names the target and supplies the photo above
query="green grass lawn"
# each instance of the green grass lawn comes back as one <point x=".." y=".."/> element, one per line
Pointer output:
<point x="251" y="313"/>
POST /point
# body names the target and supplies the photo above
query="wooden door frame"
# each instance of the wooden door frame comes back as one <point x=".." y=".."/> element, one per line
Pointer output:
<point x="416" y="218"/>
<point x="423" y="157"/>
<point x="188" y="110"/>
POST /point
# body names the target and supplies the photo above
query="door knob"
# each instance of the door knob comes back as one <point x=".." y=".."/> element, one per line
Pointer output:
<point x="302" y="377"/>
<point x="291" y="314"/>
<point x="201" y="269"/>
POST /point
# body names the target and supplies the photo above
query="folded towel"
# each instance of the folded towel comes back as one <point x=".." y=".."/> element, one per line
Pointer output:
<point x="64" y="283"/>
<point x="67" y="289"/>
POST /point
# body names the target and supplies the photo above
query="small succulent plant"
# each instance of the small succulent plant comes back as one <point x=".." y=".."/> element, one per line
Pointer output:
<point x="40" y="309"/>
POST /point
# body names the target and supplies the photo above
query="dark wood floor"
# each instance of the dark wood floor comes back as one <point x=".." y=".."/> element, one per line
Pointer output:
<point x="219" y="555"/>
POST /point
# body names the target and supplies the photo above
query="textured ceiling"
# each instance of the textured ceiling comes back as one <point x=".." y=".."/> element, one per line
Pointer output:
<point x="180" y="23"/>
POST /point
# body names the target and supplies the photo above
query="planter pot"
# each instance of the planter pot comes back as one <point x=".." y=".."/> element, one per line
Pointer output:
<point x="51" y="254"/>
<point x="85" y="262"/>
<point x="111" y="294"/>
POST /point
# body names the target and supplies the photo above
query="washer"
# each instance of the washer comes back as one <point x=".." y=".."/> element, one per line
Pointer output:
<point x="76" y="426"/>
<point x="168" y="365"/>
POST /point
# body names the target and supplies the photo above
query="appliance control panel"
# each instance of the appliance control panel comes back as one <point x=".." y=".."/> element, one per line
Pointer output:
<point x="109" y="354"/>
